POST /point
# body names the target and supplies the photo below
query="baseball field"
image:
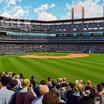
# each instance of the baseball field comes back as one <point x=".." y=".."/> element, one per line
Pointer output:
<point x="56" y="65"/>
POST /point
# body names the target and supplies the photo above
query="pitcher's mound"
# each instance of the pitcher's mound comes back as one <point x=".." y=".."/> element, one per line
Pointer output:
<point x="76" y="55"/>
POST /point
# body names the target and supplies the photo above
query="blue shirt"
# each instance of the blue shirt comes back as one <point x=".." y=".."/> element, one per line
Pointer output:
<point x="5" y="95"/>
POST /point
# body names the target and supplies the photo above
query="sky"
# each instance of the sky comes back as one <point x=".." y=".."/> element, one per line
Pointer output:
<point x="50" y="9"/>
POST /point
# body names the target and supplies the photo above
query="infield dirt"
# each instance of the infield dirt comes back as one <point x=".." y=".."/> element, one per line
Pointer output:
<point x="74" y="55"/>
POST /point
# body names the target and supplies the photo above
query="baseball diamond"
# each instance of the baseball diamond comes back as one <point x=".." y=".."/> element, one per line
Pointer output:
<point x="52" y="61"/>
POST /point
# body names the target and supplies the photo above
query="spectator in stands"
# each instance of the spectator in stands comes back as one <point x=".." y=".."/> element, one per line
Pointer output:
<point x="86" y="100"/>
<point x="43" y="89"/>
<point x="13" y="85"/>
<point x="72" y="93"/>
<point x="19" y="86"/>
<point x="49" y="83"/>
<point x="5" y="94"/>
<point x="90" y="87"/>
<point x="50" y="98"/>
<point x="33" y="83"/>
<point x="21" y="76"/>
<point x="100" y="91"/>
<point x="25" y="96"/>
<point x="42" y="82"/>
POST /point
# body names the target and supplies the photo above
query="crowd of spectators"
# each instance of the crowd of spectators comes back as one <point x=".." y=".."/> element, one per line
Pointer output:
<point x="16" y="89"/>
<point x="55" y="27"/>
<point x="9" y="49"/>
<point x="13" y="44"/>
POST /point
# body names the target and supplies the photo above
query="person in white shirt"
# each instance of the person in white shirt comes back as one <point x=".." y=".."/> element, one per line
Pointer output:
<point x="5" y="94"/>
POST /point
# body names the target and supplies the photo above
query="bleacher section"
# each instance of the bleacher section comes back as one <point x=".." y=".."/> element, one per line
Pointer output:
<point x="66" y="39"/>
<point x="27" y="44"/>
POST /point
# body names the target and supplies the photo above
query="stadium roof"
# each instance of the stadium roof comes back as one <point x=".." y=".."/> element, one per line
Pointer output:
<point x="54" y="21"/>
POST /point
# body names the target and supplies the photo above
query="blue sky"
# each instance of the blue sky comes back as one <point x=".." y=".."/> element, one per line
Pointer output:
<point x="49" y="9"/>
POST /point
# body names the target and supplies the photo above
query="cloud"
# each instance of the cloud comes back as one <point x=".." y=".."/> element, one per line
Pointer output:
<point x="12" y="10"/>
<point x="1" y="1"/>
<point x="43" y="14"/>
<point x="68" y="11"/>
<point x="52" y="5"/>
<point x="5" y="14"/>
<point x="17" y="12"/>
<point x="46" y="16"/>
<point x="44" y="7"/>
<point x="92" y="9"/>
<point x="13" y="2"/>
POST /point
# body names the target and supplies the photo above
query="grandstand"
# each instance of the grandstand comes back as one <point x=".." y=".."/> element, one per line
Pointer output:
<point x="84" y="35"/>
<point x="78" y="35"/>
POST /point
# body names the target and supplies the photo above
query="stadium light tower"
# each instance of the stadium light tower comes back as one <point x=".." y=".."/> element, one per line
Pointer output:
<point x="103" y="10"/>
<point x="83" y="14"/>
<point x="79" y="9"/>
<point x="72" y="13"/>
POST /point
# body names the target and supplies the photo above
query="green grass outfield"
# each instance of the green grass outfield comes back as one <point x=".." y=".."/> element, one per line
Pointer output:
<point x="90" y="68"/>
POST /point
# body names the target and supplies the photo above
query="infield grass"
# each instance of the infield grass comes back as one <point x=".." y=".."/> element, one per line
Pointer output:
<point x="89" y="68"/>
